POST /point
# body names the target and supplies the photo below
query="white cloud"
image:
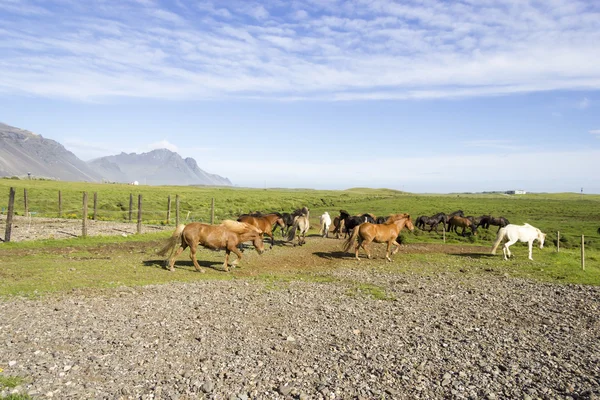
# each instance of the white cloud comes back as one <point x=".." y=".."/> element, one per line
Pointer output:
<point x="595" y="132"/>
<point x="584" y="103"/>
<point x="370" y="49"/>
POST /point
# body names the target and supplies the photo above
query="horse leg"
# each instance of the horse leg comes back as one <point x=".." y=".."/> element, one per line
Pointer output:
<point x="364" y="245"/>
<point x="463" y="232"/>
<point x="172" y="260"/>
<point x="358" y="244"/>
<point x="193" y="257"/>
<point x="530" y="249"/>
<point x="270" y="234"/>
<point x="237" y="260"/>
<point x="506" y="249"/>
<point x="387" y="251"/>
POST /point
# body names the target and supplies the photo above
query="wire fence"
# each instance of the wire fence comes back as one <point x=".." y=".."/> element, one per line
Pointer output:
<point x="92" y="209"/>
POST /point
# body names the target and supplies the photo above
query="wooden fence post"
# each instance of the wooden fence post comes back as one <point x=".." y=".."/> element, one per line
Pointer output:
<point x="130" y="205"/>
<point x="582" y="253"/>
<point x="168" y="209"/>
<point x="176" y="210"/>
<point x="558" y="241"/>
<point x="26" y="202"/>
<point x="85" y="214"/>
<point x="139" y="222"/>
<point x="212" y="211"/>
<point x="9" y="216"/>
<point x="95" y="205"/>
<point x="59" y="204"/>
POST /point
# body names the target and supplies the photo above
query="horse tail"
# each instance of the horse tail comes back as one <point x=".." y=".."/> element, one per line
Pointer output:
<point x="173" y="242"/>
<point x="501" y="234"/>
<point x="292" y="232"/>
<point x="350" y="241"/>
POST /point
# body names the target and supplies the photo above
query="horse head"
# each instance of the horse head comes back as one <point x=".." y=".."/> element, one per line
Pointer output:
<point x="541" y="237"/>
<point x="257" y="241"/>
<point x="409" y="224"/>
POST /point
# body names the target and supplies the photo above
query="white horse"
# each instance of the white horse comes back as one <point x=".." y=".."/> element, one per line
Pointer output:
<point x="301" y="224"/>
<point x="325" y="222"/>
<point x="514" y="233"/>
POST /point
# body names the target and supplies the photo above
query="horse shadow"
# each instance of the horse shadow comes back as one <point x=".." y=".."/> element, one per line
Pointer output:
<point x="162" y="264"/>
<point x="473" y="255"/>
<point x="331" y="254"/>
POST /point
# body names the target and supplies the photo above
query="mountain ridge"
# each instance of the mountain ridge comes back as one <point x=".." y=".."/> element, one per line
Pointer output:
<point x="23" y="152"/>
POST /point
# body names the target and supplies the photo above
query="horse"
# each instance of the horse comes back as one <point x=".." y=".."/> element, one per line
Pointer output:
<point x="301" y="224"/>
<point x="514" y="233"/>
<point x="488" y="220"/>
<point x="381" y="220"/>
<point x="432" y="221"/>
<point x="288" y="219"/>
<point x="463" y="222"/>
<point x="338" y="226"/>
<point x="458" y="213"/>
<point x="264" y="222"/>
<point x="379" y="233"/>
<point x="225" y="236"/>
<point x="325" y="222"/>
<point x="350" y="222"/>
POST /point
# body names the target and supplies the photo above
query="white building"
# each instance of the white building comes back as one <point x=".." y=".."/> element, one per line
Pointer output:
<point x="516" y="192"/>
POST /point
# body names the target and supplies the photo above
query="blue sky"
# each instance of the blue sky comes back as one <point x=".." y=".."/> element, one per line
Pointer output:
<point x="422" y="96"/>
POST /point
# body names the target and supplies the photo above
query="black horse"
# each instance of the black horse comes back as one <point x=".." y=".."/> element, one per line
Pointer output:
<point x="350" y="222"/>
<point x="459" y="213"/>
<point x="488" y="220"/>
<point x="432" y="221"/>
<point x="380" y="220"/>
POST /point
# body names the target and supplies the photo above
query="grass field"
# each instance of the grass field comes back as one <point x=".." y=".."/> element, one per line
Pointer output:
<point x="36" y="268"/>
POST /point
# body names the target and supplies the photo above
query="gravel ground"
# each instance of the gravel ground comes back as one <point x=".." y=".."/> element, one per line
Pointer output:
<point x="433" y="338"/>
<point x="447" y="336"/>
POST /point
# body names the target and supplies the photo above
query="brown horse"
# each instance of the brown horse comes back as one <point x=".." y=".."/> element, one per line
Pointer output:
<point x="463" y="222"/>
<point x="264" y="223"/>
<point x="338" y="227"/>
<point x="217" y="237"/>
<point x="379" y="233"/>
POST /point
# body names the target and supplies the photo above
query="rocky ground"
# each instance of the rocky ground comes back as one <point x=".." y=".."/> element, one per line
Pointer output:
<point x="363" y="334"/>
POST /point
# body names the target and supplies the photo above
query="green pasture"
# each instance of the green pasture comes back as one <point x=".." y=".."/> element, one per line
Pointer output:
<point x="59" y="266"/>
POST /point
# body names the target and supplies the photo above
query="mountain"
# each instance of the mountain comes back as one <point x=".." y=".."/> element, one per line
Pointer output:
<point x="23" y="152"/>
<point x="157" y="167"/>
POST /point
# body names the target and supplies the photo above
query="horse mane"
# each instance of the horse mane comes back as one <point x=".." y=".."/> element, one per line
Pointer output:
<point x="395" y="217"/>
<point x="239" y="227"/>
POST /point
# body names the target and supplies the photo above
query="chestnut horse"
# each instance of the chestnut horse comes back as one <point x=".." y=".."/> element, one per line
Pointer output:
<point x="217" y="237"/>
<point x="463" y="222"/>
<point x="264" y="222"/>
<point x="379" y="233"/>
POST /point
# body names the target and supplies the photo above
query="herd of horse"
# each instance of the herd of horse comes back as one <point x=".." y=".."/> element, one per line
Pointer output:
<point x="457" y="219"/>
<point x="359" y="232"/>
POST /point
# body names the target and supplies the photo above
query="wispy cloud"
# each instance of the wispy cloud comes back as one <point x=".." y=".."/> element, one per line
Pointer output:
<point x="327" y="50"/>
<point x="584" y="103"/>
<point x="595" y="132"/>
<point x="494" y="144"/>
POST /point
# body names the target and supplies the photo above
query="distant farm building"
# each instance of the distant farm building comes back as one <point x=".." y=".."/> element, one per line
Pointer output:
<point x="516" y="192"/>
